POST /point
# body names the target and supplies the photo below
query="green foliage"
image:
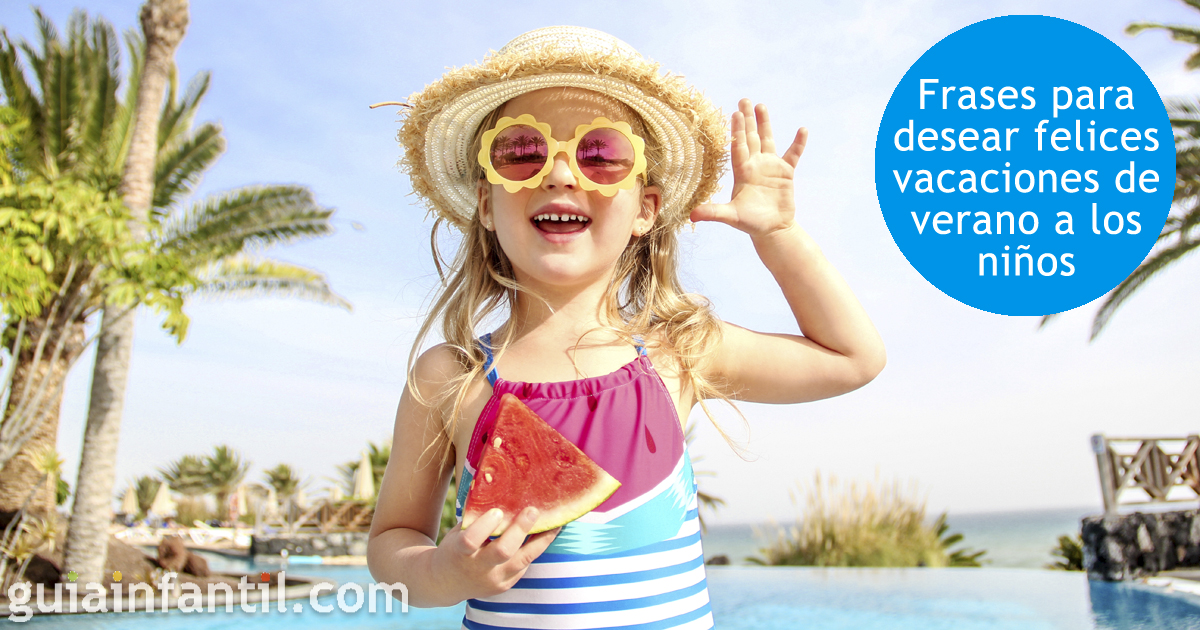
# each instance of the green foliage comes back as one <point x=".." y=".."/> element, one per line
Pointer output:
<point x="875" y="525"/>
<point x="956" y="557"/>
<point x="224" y="470"/>
<point x="145" y="487"/>
<point x="284" y="479"/>
<point x="1180" y="235"/>
<point x="378" y="454"/>
<point x="65" y="135"/>
<point x="62" y="491"/>
<point x="191" y="509"/>
<point x="187" y="475"/>
<point x="449" y="515"/>
<point x="1069" y="553"/>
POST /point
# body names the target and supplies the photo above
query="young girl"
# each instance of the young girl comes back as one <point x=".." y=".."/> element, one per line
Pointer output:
<point x="570" y="163"/>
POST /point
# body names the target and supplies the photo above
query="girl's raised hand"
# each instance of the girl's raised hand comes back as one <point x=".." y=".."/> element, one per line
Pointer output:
<point x="478" y="567"/>
<point x="763" y="199"/>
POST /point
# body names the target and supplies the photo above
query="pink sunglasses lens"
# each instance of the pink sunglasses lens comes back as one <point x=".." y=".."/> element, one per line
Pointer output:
<point x="605" y="156"/>
<point x="518" y="152"/>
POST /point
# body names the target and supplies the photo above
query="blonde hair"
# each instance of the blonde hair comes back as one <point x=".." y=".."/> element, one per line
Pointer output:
<point x="645" y="300"/>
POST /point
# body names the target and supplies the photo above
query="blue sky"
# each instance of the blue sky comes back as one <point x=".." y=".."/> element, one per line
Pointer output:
<point x="983" y="411"/>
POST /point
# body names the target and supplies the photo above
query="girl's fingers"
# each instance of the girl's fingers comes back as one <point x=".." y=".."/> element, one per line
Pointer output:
<point x="752" y="140"/>
<point x="764" y="129"/>
<point x="502" y="549"/>
<point x="721" y="212"/>
<point x="740" y="151"/>
<point x="536" y="544"/>
<point x="474" y="537"/>
<point x="792" y="156"/>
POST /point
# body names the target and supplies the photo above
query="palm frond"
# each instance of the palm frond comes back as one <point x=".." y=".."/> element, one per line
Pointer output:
<point x="243" y="276"/>
<point x="1147" y="270"/>
<point x="122" y="126"/>
<point x="20" y="96"/>
<point x="101" y="69"/>
<point x="1179" y="33"/>
<point x="177" y="116"/>
<point x="245" y="219"/>
<point x="182" y="163"/>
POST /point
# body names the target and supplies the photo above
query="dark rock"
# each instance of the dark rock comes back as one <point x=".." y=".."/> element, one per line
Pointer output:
<point x="1137" y="545"/>
<point x="196" y="565"/>
<point x="718" y="560"/>
<point x="325" y="545"/>
<point x="172" y="554"/>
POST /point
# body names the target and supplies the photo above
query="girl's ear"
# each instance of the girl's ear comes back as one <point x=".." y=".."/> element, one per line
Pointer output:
<point x="651" y="203"/>
<point x="483" y="193"/>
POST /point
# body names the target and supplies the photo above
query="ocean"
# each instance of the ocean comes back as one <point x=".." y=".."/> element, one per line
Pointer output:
<point x="1012" y="539"/>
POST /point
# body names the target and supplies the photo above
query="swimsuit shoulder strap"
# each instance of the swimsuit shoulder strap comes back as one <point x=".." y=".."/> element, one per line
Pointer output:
<point x="489" y="368"/>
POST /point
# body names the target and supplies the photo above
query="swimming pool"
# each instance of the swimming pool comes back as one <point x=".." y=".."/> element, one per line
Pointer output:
<point x="769" y="598"/>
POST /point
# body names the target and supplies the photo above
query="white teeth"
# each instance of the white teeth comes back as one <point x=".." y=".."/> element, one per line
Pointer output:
<point x="560" y="217"/>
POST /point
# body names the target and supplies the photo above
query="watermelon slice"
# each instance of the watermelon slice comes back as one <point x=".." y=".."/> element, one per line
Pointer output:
<point x="524" y="463"/>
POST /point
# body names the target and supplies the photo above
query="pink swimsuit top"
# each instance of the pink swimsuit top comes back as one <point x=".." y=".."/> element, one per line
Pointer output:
<point x="636" y="560"/>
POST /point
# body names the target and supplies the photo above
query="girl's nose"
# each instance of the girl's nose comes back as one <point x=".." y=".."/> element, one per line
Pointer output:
<point x="560" y="175"/>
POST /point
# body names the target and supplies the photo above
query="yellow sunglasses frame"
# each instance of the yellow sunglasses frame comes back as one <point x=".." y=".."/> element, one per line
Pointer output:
<point x="554" y="147"/>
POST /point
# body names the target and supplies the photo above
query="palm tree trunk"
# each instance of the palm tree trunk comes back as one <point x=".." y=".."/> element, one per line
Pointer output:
<point x="19" y="476"/>
<point x="164" y="23"/>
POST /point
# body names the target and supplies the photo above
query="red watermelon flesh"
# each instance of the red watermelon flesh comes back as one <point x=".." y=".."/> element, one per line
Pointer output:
<point x="524" y="463"/>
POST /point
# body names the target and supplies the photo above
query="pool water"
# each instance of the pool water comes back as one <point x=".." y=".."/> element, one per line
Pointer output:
<point x="769" y="598"/>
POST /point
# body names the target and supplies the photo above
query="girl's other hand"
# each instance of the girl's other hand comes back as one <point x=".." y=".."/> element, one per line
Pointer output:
<point x="763" y="199"/>
<point x="475" y="566"/>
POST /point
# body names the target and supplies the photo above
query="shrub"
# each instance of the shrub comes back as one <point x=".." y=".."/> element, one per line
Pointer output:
<point x="868" y="525"/>
<point x="1069" y="553"/>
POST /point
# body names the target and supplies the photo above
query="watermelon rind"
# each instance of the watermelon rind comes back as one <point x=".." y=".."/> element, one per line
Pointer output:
<point x="568" y="512"/>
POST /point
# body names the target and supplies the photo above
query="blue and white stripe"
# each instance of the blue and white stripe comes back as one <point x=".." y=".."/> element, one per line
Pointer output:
<point x="657" y="586"/>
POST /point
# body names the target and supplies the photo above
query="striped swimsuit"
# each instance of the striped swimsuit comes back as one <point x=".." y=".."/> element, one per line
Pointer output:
<point x="636" y="560"/>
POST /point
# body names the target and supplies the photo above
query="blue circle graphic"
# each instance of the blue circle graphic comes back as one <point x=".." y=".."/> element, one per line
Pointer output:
<point x="1025" y="165"/>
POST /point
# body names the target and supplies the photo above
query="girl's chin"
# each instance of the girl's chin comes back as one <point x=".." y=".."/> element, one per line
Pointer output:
<point x="562" y="275"/>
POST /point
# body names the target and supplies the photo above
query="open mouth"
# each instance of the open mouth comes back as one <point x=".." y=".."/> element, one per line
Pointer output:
<point x="560" y="223"/>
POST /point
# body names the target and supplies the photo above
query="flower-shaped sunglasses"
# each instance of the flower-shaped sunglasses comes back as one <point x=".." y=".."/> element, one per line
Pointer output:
<point x="604" y="156"/>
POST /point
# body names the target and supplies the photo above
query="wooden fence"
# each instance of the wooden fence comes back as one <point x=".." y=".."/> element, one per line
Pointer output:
<point x="1164" y="470"/>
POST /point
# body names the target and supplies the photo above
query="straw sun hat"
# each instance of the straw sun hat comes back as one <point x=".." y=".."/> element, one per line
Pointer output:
<point x="439" y="122"/>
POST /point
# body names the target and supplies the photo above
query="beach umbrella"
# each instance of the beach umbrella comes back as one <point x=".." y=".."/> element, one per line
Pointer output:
<point x="364" y="480"/>
<point x="336" y="494"/>
<point x="162" y="505"/>
<point x="129" y="502"/>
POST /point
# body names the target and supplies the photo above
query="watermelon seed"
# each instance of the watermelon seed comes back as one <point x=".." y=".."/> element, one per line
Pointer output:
<point x="496" y="443"/>
<point x="487" y="477"/>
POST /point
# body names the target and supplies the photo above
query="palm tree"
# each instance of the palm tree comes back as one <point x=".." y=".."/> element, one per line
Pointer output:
<point x="285" y="480"/>
<point x="55" y="136"/>
<point x="378" y="454"/>
<point x="225" y="471"/>
<point x="521" y="141"/>
<point x="145" y="488"/>
<point x="537" y="142"/>
<point x="163" y="24"/>
<point x="1181" y="233"/>
<point x="79" y="134"/>
<point x="187" y="475"/>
